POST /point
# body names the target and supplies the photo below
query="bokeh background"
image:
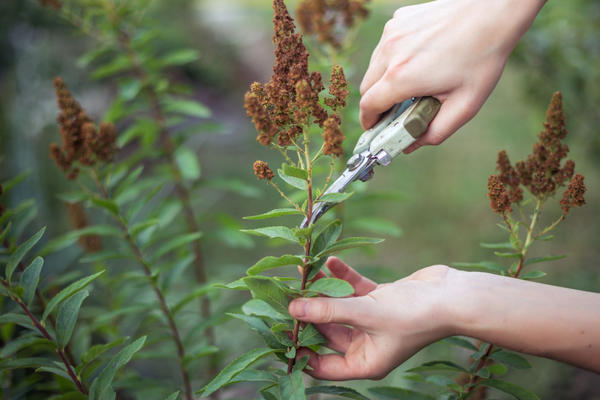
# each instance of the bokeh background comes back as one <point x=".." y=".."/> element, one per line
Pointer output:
<point x="436" y="196"/>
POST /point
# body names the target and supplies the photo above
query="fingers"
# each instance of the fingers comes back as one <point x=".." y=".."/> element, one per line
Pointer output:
<point x="334" y="367"/>
<point x="360" y="312"/>
<point x="339" y="269"/>
<point x="339" y="337"/>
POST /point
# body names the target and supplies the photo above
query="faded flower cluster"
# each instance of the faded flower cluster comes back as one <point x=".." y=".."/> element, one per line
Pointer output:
<point x="326" y="18"/>
<point x="263" y="171"/>
<point x="285" y="106"/>
<point x="542" y="172"/>
<point x="82" y="141"/>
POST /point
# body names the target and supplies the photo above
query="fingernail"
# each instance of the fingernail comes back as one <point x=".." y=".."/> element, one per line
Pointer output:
<point x="298" y="308"/>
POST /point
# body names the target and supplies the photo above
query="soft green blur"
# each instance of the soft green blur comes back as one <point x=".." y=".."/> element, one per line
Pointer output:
<point x="443" y="210"/>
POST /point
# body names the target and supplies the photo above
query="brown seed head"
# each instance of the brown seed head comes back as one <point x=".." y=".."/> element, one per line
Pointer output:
<point x="333" y="136"/>
<point x="262" y="170"/>
<point x="509" y="177"/>
<point x="338" y="88"/>
<point x="573" y="195"/>
<point x="499" y="197"/>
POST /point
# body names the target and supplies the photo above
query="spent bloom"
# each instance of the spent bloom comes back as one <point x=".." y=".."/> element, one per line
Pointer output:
<point x="326" y="19"/>
<point x="283" y="107"/>
<point x="262" y="170"/>
<point x="499" y="197"/>
<point x="82" y="141"/>
<point x="573" y="196"/>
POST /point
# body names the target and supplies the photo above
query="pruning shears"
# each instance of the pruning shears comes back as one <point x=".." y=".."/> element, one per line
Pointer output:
<point x="398" y="128"/>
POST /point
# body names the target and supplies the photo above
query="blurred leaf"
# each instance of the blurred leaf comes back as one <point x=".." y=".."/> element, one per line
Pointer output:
<point x="331" y="287"/>
<point x="261" y="308"/>
<point x="129" y="89"/>
<point x="292" y="181"/>
<point x="282" y="232"/>
<point x="71" y="237"/>
<point x="291" y="387"/>
<point x="334" y="197"/>
<point x="144" y="128"/>
<point x="107" y="204"/>
<point x="198" y="353"/>
<point x="294" y="172"/>
<point x="97" y="350"/>
<point x="511" y="359"/>
<point x="441" y="380"/>
<point x="28" y="362"/>
<point x="461" y="342"/>
<point x="546" y="237"/>
<point x="5" y="232"/>
<point x="142" y="226"/>
<point x="348" y="243"/>
<point x="67" y="292"/>
<point x="176" y="242"/>
<point x="266" y="289"/>
<point x="119" y="64"/>
<point x="17" y="319"/>
<point x="270" y="262"/>
<point x="102" y="385"/>
<point x="336" y="391"/>
<point x="497" y="369"/>
<point x="482" y="265"/>
<point x="73" y="197"/>
<point x="535" y="260"/>
<point x="235" y="367"/>
<point x="483" y="373"/>
<point x="192" y="108"/>
<point x="20" y="252"/>
<point x="9" y="184"/>
<point x="278" y="212"/>
<point x="173" y="396"/>
<point x="187" y="162"/>
<point x="499" y="246"/>
<point x="395" y="393"/>
<point x="91" y="55"/>
<point x="507" y="255"/>
<point x="261" y="328"/>
<point x="533" y="275"/>
<point x="375" y="225"/>
<point x="309" y="336"/>
<point x="509" y="388"/>
<point x="25" y="341"/>
<point x="235" y="285"/>
<point x="198" y="292"/>
<point x="68" y="311"/>
<point x="30" y="279"/>
<point x="179" y="57"/>
<point x="438" y="366"/>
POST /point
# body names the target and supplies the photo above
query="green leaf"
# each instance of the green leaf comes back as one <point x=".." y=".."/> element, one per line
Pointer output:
<point x="67" y="292"/>
<point x="295" y="172"/>
<point x="348" y="243"/>
<point x="5" y="232"/>
<point x="270" y="262"/>
<point x="482" y="265"/>
<point x="497" y="369"/>
<point x="278" y="212"/>
<point x="326" y="236"/>
<point x="179" y="57"/>
<point x="438" y="366"/>
<point x="335" y="197"/>
<point x="535" y="260"/>
<point x="483" y="373"/>
<point x="233" y="369"/>
<point x="102" y="385"/>
<point x="291" y="387"/>
<point x="97" y="350"/>
<point x="142" y="226"/>
<point x="129" y="89"/>
<point x="441" y="380"/>
<point x="188" y="164"/>
<point x="119" y="64"/>
<point x="107" y="204"/>
<point x="395" y="393"/>
<point x="173" y="396"/>
<point x="512" y="359"/>
<point x="30" y="279"/>
<point x="175" y="243"/>
<point x="17" y="319"/>
<point x="261" y="308"/>
<point x="331" y="287"/>
<point x="498" y="246"/>
<point x="198" y="292"/>
<point x="255" y="375"/>
<point x="68" y="312"/>
<point x="546" y="237"/>
<point x="507" y="255"/>
<point x="191" y="108"/>
<point x="21" y="251"/>
<point x="261" y="328"/>
<point x="460" y="342"/>
<point x="310" y="336"/>
<point x="23" y="342"/>
<point x="336" y="391"/>
<point x="266" y="289"/>
<point x="290" y="180"/>
<point x="235" y="285"/>
<point x="509" y="388"/>
<point x="533" y="275"/>
<point x="8" y="185"/>
<point x="71" y="237"/>
<point x="281" y="232"/>
<point x="29" y="362"/>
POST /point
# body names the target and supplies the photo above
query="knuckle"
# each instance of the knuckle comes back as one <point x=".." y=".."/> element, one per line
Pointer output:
<point x="325" y="311"/>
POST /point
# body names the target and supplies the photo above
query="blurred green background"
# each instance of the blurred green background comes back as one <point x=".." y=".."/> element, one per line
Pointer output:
<point x="442" y="208"/>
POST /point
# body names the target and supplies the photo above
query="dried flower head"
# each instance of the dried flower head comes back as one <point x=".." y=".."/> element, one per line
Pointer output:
<point x="262" y="170"/>
<point x="82" y="142"/>
<point x="327" y="19"/>
<point x="573" y="195"/>
<point x="78" y="218"/>
<point x="509" y="177"/>
<point x="333" y="136"/>
<point x="51" y="3"/>
<point x="499" y="197"/>
<point x="290" y="100"/>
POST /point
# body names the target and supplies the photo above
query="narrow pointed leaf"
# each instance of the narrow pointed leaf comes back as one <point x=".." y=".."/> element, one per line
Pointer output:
<point x="533" y="275"/>
<point x="335" y="197"/>
<point x="68" y="311"/>
<point x="516" y="391"/>
<point x="290" y="180"/>
<point x="395" y="393"/>
<point x="438" y="366"/>
<point x="535" y="260"/>
<point x="17" y="256"/>
<point x="69" y="238"/>
<point x="349" y="243"/>
<point x="188" y="164"/>
<point x="295" y="172"/>
<point x="336" y="391"/>
<point x="332" y="287"/>
<point x="191" y="108"/>
<point x="291" y="387"/>
<point x="281" y="232"/>
<point x="30" y="279"/>
<point x="107" y="204"/>
<point x="175" y="243"/>
<point x="270" y="262"/>
<point x="269" y="291"/>
<point x="67" y="292"/>
<point x="460" y="342"/>
<point x="480" y="266"/>
<point x="278" y="212"/>
<point x="498" y="246"/>
<point x="512" y="359"/>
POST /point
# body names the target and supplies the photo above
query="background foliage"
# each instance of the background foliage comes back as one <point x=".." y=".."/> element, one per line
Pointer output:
<point x="436" y="195"/>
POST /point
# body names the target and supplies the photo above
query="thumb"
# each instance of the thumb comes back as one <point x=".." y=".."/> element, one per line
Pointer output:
<point x="355" y="311"/>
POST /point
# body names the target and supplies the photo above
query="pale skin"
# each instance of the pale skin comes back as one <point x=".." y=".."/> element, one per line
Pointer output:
<point x="383" y="325"/>
<point x="454" y="50"/>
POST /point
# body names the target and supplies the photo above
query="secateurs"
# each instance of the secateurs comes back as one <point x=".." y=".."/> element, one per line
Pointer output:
<point x="399" y="127"/>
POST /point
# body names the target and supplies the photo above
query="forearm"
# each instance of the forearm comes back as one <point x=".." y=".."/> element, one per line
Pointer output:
<point x="543" y="320"/>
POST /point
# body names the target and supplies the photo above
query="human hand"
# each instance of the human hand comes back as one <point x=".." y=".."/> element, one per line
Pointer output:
<point x="454" y="50"/>
<point x="388" y="323"/>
